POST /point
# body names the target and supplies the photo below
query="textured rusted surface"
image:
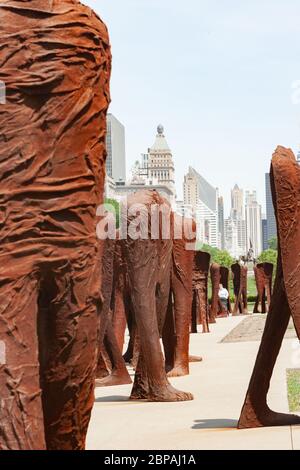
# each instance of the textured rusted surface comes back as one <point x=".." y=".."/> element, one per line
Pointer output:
<point x="239" y="277"/>
<point x="55" y="62"/>
<point x="200" y="307"/>
<point x="149" y="273"/>
<point x="182" y="292"/>
<point x="111" y="369"/>
<point x="225" y="279"/>
<point x="263" y="278"/>
<point x="285" y="183"/>
<point x="215" y="276"/>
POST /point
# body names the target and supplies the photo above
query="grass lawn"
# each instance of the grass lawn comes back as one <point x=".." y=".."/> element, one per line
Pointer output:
<point x="293" y="386"/>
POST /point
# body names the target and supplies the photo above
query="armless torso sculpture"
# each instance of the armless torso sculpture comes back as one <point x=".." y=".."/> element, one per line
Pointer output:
<point x="55" y="62"/>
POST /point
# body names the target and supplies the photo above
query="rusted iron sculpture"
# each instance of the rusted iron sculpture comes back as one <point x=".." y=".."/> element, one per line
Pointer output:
<point x="263" y="278"/>
<point x="200" y="307"/>
<point x="225" y="276"/>
<point x="111" y="368"/>
<point x="239" y="276"/>
<point x="285" y="184"/>
<point x="176" y="332"/>
<point x="149" y="275"/>
<point x="215" y="276"/>
<point x="55" y="61"/>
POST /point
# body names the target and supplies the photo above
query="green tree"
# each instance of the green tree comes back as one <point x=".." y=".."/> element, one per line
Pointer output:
<point x="273" y="243"/>
<point x="268" y="256"/>
<point x="221" y="257"/>
<point x="111" y="205"/>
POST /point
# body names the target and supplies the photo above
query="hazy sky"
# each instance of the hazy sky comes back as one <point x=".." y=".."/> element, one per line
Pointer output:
<point x="218" y="75"/>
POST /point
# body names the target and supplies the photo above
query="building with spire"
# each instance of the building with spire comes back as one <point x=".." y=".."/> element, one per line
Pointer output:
<point x="253" y="223"/>
<point x="155" y="170"/>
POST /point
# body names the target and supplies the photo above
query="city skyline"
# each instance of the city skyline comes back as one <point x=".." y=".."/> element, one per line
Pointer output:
<point x="219" y="77"/>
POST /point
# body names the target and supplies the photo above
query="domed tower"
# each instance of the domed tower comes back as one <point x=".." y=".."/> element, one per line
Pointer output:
<point x="160" y="160"/>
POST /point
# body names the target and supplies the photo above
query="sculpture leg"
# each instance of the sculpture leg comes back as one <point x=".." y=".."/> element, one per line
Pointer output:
<point x="70" y="350"/>
<point x="150" y="378"/>
<point x="194" y="313"/>
<point x="255" y="412"/>
<point x="21" y="423"/>
<point x="119" y="318"/>
<point x="182" y="311"/>
<point x="168" y="336"/>
<point x="119" y="374"/>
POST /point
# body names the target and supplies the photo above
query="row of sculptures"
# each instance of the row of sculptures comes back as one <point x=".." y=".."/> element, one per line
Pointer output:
<point x="59" y="285"/>
<point x="185" y="303"/>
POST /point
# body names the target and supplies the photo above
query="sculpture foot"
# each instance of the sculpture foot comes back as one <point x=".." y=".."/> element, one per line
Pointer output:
<point x="170" y="394"/>
<point x="266" y="418"/>
<point x="139" y="392"/>
<point x="114" y="379"/>
<point x="195" y="359"/>
<point x="178" y="371"/>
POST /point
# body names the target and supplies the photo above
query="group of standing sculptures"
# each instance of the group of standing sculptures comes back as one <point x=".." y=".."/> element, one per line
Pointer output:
<point x="66" y="297"/>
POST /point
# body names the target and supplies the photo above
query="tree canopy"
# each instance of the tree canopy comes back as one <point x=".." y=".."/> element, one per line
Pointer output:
<point x="268" y="256"/>
<point x="221" y="257"/>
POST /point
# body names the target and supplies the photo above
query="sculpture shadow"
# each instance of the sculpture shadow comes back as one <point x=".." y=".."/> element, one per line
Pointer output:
<point x="112" y="398"/>
<point x="215" y="424"/>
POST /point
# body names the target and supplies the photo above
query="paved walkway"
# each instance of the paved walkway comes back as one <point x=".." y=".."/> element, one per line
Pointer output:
<point x="219" y="385"/>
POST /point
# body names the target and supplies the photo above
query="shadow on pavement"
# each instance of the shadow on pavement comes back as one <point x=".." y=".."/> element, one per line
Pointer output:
<point x="215" y="424"/>
<point x="112" y="398"/>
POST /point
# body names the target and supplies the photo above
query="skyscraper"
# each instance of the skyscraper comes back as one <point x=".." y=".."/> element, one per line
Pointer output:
<point x="264" y="225"/>
<point x="237" y="203"/>
<point x="221" y="222"/>
<point x="115" y="147"/>
<point x="253" y="223"/>
<point x="203" y="198"/>
<point x="160" y="160"/>
<point x="235" y="226"/>
<point x="271" y="220"/>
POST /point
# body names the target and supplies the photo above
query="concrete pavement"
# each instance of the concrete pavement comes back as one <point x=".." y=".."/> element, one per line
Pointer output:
<point x="219" y="385"/>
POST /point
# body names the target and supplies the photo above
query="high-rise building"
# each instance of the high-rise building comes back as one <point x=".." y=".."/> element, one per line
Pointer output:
<point x="221" y="222"/>
<point x="160" y="160"/>
<point x="264" y="227"/>
<point x="235" y="237"/>
<point x="237" y="203"/>
<point x="203" y="198"/>
<point x="156" y="168"/>
<point x="271" y="219"/>
<point x="115" y="147"/>
<point x="253" y="223"/>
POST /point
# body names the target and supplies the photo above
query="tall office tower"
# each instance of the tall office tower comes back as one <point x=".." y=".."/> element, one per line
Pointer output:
<point x="253" y="223"/>
<point x="160" y="160"/>
<point x="271" y="219"/>
<point x="115" y="147"/>
<point x="221" y="223"/>
<point x="235" y="237"/>
<point x="203" y="198"/>
<point x="237" y="203"/>
<point x="264" y="225"/>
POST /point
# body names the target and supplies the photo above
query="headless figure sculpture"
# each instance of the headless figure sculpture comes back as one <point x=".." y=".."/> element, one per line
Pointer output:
<point x="149" y="264"/>
<point x="55" y="61"/>
<point x="263" y="277"/>
<point x="200" y="307"/>
<point x="285" y="184"/>
<point x="215" y="276"/>
<point x="239" y="274"/>
<point x="225" y="283"/>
